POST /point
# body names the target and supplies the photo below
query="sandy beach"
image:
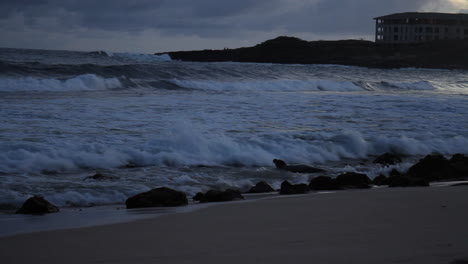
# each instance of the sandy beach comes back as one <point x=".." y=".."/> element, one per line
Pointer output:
<point x="413" y="225"/>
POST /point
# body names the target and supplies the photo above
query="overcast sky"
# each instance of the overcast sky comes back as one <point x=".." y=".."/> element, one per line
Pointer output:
<point x="166" y="25"/>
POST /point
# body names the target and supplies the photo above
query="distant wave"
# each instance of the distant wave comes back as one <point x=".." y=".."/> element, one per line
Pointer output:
<point x="421" y="85"/>
<point x="86" y="82"/>
<point x="138" y="57"/>
<point x="300" y="85"/>
<point x="269" y="85"/>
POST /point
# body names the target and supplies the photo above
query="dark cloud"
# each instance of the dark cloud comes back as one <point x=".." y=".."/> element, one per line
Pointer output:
<point x="202" y="18"/>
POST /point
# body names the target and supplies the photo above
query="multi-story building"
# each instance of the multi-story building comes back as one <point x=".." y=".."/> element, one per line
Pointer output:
<point x="420" y="27"/>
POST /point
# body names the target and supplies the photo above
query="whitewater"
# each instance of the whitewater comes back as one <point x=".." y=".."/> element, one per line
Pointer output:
<point x="147" y="121"/>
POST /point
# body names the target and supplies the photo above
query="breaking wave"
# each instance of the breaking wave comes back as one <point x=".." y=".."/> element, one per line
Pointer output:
<point x="192" y="148"/>
<point x="86" y="82"/>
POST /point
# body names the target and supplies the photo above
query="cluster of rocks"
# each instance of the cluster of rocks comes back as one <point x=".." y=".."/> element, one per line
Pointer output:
<point x="430" y="168"/>
<point x="348" y="180"/>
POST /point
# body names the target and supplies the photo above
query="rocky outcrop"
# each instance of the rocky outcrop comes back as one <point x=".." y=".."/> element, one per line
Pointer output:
<point x="159" y="197"/>
<point x="323" y="183"/>
<point x="218" y="196"/>
<point x="388" y="159"/>
<point x="296" y="168"/>
<point x="353" y="180"/>
<point x="288" y="188"/>
<point x="448" y="54"/>
<point x="380" y="180"/>
<point x="459" y="163"/>
<point x="406" y="181"/>
<point x="261" y="187"/>
<point x="438" y="168"/>
<point x="37" y="205"/>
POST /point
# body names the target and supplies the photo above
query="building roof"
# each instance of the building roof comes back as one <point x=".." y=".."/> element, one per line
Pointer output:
<point x="424" y="15"/>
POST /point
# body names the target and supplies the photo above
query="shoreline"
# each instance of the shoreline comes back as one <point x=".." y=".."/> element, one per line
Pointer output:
<point x="383" y="225"/>
<point x="12" y="224"/>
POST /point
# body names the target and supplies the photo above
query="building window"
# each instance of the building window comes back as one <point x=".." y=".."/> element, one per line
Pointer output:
<point x="446" y="30"/>
<point x="436" y="30"/>
<point x="395" y="29"/>
<point x="395" y="37"/>
<point x="428" y="30"/>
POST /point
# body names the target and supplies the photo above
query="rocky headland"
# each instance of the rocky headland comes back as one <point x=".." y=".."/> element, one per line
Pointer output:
<point x="442" y="54"/>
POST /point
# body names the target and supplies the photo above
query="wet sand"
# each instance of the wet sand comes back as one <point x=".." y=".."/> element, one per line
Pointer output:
<point x="407" y="225"/>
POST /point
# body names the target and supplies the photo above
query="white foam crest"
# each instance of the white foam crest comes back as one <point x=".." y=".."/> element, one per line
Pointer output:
<point x="282" y="85"/>
<point x="190" y="146"/>
<point x="138" y="57"/>
<point x="86" y="82"/>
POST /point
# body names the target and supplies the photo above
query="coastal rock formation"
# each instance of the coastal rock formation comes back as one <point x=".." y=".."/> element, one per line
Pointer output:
<point x="406" y="181"/>
<point x="353" y="180"/>
<point x="459" y="162"/>
<point x="380" y="180"/>
<point x="298" y="168"/>
<point x="441" y="54"/>
<point x="436" y="168"/>
<point x="37" y="205"/>
<point x="160" y="197"/>
<point x="323" y="183"/>
<point x="261" y="187"/>
<point x="288" y="188"/>
<point x="218" y="196"/>
<point x="387" y="159"/>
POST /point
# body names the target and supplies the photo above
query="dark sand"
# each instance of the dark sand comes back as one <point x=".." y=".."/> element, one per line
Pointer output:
<point x="412" y="225"/>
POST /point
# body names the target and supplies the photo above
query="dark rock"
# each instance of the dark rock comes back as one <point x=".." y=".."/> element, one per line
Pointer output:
<point x="388" y="159"/>
<point x="297" y="168"/>
<point x="160" y="197"/>
<point x="406" y="181"/>
<point x="261" y="187"/>
<point x="37" y="205"/>
<point x="460" y="165"/>
<point x="323" y="183"/>
<point x="433" y="168"/>
<point x="288" y="188"/>
<point x="353" y="180"/>
<point x="101" y="177"/>
<point x="395" y="172"/>
<point x="198" y="197"/>
<point x="380" y="180"/>
<point x="219" y="196"/>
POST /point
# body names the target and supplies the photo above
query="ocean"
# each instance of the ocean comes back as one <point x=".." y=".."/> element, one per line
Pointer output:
<point x="146" y="121"/>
